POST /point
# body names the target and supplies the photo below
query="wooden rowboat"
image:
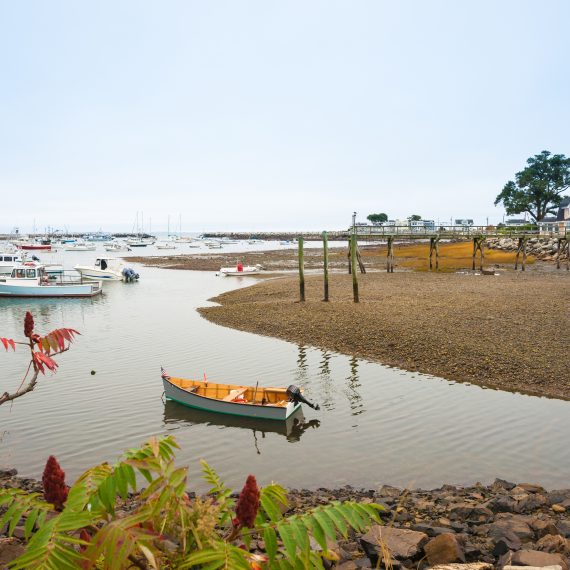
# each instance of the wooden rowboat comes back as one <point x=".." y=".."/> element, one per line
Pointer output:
<point x="245" y="401"/>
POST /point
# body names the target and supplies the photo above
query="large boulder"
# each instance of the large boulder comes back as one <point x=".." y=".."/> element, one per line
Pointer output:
<point x="401" y="543"/>
<point x="514" y="525"/>
<point x="444" y="549"/>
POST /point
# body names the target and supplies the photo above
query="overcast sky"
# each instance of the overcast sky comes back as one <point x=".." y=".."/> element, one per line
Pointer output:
<point x="271" y="114"/>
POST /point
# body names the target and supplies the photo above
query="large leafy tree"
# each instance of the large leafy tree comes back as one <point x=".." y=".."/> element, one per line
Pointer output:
<point x="538" y="188"/>
<point x="377" y="218"/>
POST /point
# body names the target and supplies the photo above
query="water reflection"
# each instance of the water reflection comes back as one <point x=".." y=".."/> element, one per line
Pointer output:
<point x="353" y="386"/>
<point x="326" y="388"/>
<point x="177" y="415"/>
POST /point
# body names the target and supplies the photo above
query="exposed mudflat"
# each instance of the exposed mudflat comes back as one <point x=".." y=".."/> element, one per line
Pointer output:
<point x="510" y="331"/>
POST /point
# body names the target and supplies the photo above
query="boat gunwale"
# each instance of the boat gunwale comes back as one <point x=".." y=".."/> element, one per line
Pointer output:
<point x="248" y="404"/>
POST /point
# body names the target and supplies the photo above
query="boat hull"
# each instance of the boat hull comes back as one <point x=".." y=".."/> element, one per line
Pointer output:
<point x="94" y="274"/>
<point x="173" y="392"/>
<point x="43" y="291"/>
<point x="34" y="247"/>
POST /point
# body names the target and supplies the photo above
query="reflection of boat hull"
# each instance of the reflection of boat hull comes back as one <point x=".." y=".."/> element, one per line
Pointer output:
<point x="209" y="402"/>
<point x="291" y="428"/>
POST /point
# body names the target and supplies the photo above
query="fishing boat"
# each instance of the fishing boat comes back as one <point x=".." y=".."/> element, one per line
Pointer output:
<point x="108" y="269"/>
<point x="35" y="245"/>
<point x="31" y="280"/>
<point x="239" y="270"/>
<point x="246" y="401"/>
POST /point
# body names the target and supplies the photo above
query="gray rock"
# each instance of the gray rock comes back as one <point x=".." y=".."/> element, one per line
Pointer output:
<point x="431" y="531"/>
<point x="502" y="484"/>
<point x="558" y="496"/>
<point x="6" y="473"/>
<point x="401" y="543"/>
<point x="564" y="527"/>
<point x="509" y="541"/>
<point x="471" y="513"/>
<point x="513" y="525"/>
<point x="536" y="558"/>
<point x="531" y="503"/>
<point x="502" y="504"/>
<point x="444" y="549"/>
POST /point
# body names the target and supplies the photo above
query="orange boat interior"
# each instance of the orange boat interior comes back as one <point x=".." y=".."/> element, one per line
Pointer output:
<point x="259" y="396"/>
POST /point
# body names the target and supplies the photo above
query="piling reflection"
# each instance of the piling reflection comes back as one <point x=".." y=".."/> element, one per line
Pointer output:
<point x="326" y="388"/>
<point x="177" y="415"/>
<point x="353" y="386"/>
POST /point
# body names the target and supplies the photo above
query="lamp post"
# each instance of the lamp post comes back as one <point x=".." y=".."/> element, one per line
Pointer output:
<point x="353" y="223"/>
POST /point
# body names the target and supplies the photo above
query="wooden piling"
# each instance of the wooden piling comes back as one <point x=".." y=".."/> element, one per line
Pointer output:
<point x="563" y="246"/>
<point x="478" y="246"/>
<point x="326" y="265"/>
<point x="353" y="269"/>
<point x="301" y="271"/>
<point x="521" y="248"/>
<point x="390" y="255"/>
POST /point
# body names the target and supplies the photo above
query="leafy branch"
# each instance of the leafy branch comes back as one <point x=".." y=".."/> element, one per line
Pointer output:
<point x="42" y="352"/>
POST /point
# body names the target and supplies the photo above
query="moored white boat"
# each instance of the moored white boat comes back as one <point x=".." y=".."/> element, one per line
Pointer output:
<point x="247" y="401"/>
<point x="108" y="269"/>
<point x="116" y="246"/>
<point x="239" y="270"/>
<point x="166" y="245"/>
<point x="31" y="280"/>
<point x="80" y="246"/>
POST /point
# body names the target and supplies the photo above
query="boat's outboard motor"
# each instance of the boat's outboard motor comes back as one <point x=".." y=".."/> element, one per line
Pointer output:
<point x="295" y="395"/>
<point x="35" y="258"/>
<point x="130" y="275"/>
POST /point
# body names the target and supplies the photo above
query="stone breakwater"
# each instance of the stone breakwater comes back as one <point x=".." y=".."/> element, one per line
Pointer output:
<point x="544" y="249"/>
<point x="476" y="528"/>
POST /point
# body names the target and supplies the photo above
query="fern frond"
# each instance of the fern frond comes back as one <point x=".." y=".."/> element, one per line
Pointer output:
<point x="51" y="547"/>
<point x="20" y="504"/>
<point x="221" y="556"/>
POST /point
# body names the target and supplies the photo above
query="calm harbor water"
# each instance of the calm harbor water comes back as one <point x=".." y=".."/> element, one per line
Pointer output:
<point x="376" y="424"/>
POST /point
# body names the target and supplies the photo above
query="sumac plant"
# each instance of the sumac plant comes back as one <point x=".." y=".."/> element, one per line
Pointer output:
<point x="103" y="525"/>
<point x="42" y="351"/>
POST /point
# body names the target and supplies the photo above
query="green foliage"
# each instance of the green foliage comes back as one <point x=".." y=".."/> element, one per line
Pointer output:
<point x="538" y="187"/>
<point x="414" y="218"/>
<point x="97" y="528"/>
<point x="377" y="218"/>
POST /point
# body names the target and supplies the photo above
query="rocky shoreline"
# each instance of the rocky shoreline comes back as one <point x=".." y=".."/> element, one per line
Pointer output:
<point x="544" y="249"/>
<point x="493" y="525"/>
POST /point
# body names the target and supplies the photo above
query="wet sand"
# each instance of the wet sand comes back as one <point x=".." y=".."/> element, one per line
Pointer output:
<point x="510" y="331"/>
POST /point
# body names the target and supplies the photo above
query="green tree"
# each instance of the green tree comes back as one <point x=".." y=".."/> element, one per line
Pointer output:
<point x="538" y="188"/>
<point x="377" y="218"/>
<point x="414" y="218"/>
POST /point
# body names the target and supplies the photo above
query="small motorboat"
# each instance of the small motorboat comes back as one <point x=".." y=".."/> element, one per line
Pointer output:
<point x="80" y="246"/>
<point x="108" y="269"/>
<point x="116" y="246"/>
<point x="239" y="270"/>
<point x="247" y="401"/>
<point x="31" y="280"/>
<point x="166" y="245"/>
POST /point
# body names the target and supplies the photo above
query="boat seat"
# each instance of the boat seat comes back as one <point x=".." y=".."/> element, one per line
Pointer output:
<point x="234" y="394"/>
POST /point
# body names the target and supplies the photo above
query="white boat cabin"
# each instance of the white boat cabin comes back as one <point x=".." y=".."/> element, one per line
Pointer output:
<point x="32" y="273"/>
